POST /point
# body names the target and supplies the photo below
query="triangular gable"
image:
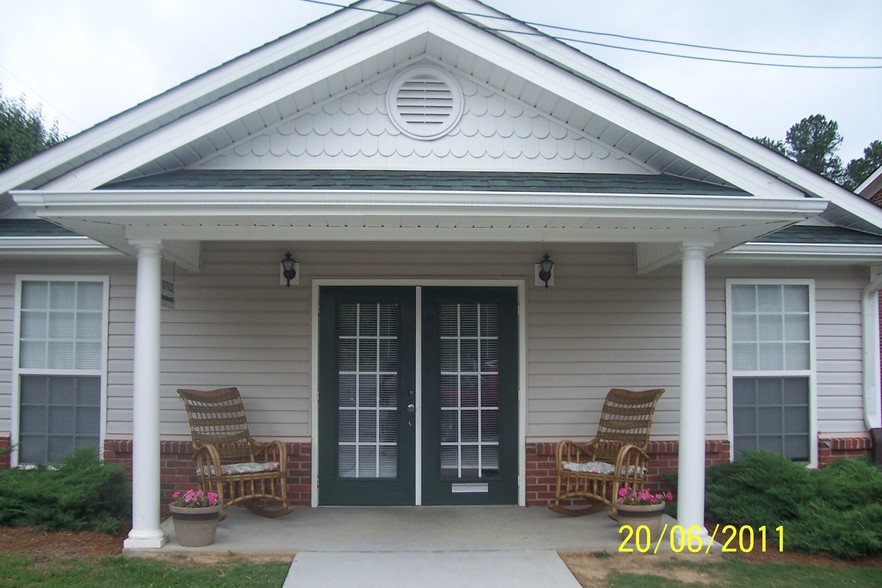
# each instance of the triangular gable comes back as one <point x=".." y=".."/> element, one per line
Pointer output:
<point x="355" y="131"/>
<point x="237" y="104"/>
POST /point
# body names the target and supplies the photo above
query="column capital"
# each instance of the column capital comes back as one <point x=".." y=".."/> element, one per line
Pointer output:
<point x="146" y="245"/>
<point x="693" y="248"/>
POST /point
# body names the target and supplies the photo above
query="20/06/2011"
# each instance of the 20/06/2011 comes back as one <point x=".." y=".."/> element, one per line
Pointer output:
<point x="742" y="538"/>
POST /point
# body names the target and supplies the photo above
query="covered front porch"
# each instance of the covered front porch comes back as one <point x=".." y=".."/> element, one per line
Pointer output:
<point x="405" y="530"/>
<point x="628" y="308"/>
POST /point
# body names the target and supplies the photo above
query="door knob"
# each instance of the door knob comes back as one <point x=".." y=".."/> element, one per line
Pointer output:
<point x="411" y="407"/>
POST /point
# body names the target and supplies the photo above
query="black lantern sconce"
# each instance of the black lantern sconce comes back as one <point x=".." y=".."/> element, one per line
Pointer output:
<point x="290" y="271"/>
<point x="545" y="272"/>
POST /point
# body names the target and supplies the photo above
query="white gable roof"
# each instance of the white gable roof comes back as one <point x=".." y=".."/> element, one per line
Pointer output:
<point x="255" y="98"/>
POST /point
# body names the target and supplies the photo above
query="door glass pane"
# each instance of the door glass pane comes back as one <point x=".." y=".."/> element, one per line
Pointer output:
<point x="367" y="375"/>
<point x="469" y="390"/>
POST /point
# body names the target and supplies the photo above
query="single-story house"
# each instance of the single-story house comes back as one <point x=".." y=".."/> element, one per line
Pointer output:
<point x="418" y="160"/>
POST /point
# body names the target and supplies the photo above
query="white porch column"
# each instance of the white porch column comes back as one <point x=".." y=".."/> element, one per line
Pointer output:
<point x="145" y="533"/>
<point x="690" y="502"/>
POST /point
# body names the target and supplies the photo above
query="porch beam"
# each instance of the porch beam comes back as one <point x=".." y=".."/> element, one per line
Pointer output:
<point x="690" y="502"/>
<point x="146" y="533"/>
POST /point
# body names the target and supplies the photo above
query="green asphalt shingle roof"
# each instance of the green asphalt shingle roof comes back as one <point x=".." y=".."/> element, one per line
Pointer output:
<point x="32" y="228"/>
<point x="820" y="236"/>
<point x="453" y="181"/>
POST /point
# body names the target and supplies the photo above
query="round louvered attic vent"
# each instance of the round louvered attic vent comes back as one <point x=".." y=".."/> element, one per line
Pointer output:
<point x="424" y="102"/>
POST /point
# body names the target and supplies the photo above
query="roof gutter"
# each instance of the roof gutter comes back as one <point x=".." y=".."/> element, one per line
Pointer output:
<point x="870" y="343"/>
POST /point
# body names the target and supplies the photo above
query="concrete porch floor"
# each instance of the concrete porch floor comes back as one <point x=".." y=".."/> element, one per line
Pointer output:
<point x="402" y="529"/>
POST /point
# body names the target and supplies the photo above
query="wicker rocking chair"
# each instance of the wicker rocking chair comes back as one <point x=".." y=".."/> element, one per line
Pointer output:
<point x="617" y="455"/>
<point x="228" y="460"/>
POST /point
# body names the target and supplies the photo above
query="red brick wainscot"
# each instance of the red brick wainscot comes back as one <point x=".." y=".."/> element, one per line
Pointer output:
<point x="4" y="453"/>
<point x="178" y="470"/>
<point x="829" y="450"/>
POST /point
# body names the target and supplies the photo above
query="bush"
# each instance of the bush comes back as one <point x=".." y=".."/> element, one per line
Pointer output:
<point x="82" y="494"/>
<point x="836" y="510"/>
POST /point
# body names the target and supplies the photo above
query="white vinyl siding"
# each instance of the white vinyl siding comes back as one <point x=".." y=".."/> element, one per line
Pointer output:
<point x="600" y="326"/>
<point x="59" y="364"/>
<point x="770" y="346"/>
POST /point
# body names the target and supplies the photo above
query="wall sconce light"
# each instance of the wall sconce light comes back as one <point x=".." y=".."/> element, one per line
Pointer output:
<point x="544" y="272"/>
<point x="290" y="271"/>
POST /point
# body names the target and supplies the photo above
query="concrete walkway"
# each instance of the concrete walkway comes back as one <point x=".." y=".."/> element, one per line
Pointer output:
<point x="414" y="546"/>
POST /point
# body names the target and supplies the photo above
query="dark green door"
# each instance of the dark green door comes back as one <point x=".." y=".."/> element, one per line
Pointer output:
<point x="469" y="396"/>
<point x="370" y="408"/>
<point x="366" y="393"/>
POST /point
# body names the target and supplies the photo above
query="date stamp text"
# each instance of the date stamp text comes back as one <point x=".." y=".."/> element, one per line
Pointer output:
<point x="694" y="539"/>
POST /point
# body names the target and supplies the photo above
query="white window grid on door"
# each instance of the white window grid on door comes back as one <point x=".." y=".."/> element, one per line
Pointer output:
<point x="475" y="451"/>
<point x="368" y="408"/>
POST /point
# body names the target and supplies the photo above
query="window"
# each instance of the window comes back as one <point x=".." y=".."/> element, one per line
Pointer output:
<point x="770" y="358"/>
<point x="60" y="367"/>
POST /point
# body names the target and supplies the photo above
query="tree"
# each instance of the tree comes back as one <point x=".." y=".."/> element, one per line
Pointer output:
<point x="813" y="142"/>
<point x="774" y="145"/>
<point x="23" y="132"/>
<point x="860" y="169"/>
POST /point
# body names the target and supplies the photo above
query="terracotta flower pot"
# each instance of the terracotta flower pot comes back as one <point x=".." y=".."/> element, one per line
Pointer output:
<point x="635" y="515"/>
<point x="195" y="527"/>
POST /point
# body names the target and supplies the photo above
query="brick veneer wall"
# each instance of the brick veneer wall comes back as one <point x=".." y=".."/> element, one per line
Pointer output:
<point x="178" y="471"/>
<point x="4" y="459"/>
<point x="829" y="450"/>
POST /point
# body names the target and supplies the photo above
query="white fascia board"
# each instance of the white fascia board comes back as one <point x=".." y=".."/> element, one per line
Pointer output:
<point x="182" y="95"/>
<point x="243" y="102"/>
<point x="871" y="185"/>
<point x="698" y="124"/>
<point x="452" y="29"/>
<point x="56" y="245"/>
<point x="130" y="203"/>
<point x="643" y="120"/>
<point x="824" y="254"/>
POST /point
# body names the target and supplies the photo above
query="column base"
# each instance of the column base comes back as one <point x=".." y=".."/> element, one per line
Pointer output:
<point x="145" y="540"/>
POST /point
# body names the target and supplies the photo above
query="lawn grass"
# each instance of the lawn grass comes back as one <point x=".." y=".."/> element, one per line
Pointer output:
<point x="736" y="572"/>
<point x="115" y="571"/>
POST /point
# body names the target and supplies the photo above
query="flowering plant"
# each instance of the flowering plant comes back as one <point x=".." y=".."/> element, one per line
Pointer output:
<point x="628" y="495"/>
<point x="194" y="498"/>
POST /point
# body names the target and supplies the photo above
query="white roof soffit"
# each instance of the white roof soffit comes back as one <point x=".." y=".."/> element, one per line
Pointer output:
<point x="641" y="120"/>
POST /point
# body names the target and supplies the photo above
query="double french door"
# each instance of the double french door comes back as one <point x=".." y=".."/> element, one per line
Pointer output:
<point x="418" y="395"/>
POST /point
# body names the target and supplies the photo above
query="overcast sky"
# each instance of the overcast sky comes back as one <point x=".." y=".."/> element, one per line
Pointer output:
<point x="84" y="61"/>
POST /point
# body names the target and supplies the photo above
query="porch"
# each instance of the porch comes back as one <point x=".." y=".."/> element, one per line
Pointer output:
<point x="402" y="529"/>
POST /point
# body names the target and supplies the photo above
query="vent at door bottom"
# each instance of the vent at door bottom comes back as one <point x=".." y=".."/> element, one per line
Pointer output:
<point x="469" y="488"/>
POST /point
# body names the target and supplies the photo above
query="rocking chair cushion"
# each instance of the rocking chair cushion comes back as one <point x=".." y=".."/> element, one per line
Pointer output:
<point x="233" y="469"/>
<point x="596" y="467"/>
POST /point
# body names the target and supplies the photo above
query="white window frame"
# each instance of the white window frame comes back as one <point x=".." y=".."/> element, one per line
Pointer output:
<point x="810" y="373"/>
<point x="18" y="371"/>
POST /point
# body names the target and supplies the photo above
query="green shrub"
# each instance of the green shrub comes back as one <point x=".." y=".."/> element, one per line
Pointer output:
<point x="836" y="510"/>
<point x="82" y="494"/>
